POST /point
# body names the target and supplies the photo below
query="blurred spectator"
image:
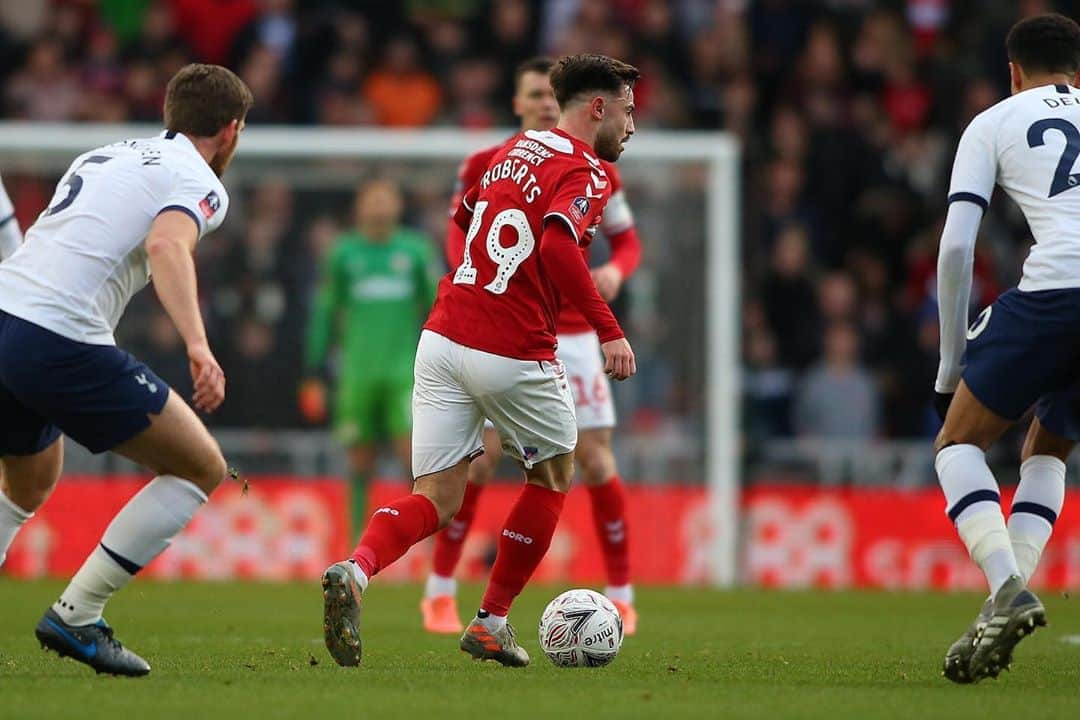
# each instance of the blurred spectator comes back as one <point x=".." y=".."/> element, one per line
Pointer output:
<point x="46" y="89"/>
<point x="790" y="299"/>
<point x="254" y="359"/>
<point x="767" y="388"/>
<point x="273" y="28"/>
<point x="401" y="92"/>
<point x="157" y="36"/>
<point x="837" y="398"/>
<point x="210" y="27"/>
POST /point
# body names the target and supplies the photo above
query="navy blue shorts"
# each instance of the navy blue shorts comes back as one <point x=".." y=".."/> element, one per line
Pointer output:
<point x="1024" y="350"/>
<point x="98" y="395"/>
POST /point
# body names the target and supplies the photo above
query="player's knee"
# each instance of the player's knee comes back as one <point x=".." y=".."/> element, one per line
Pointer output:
<point x="211" y="471"/>
<point x="597" y="464"/>
<point x="30" y="496"/>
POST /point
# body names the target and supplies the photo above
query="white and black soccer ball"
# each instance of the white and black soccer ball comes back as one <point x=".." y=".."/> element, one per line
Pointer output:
<point x="581" y="628"/>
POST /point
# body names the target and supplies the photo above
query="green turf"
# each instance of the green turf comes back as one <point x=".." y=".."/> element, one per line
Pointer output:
<point x="255" y="651"/>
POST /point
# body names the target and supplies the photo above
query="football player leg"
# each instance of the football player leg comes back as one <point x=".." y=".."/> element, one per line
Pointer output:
<point x="595" y="411"/>
<point x="31" y="454"/>
<point x="447" y="430"/>
<point x="1041" y="493"/>
<point x="524" y="541"/>
<point x="438" y="607"/>
<point x="608" y="498"/>
<point x="188" y="466"/>
<point x="531" y="406"/>
<point x="973" y="503"/>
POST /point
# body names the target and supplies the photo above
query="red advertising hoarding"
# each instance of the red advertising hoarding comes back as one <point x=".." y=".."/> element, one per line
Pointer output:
<point x="792" y="536"/>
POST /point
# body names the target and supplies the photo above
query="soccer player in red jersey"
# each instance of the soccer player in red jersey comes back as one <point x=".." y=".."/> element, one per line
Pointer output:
<point x="488" y="351"/>
<point x="579" y="350"/>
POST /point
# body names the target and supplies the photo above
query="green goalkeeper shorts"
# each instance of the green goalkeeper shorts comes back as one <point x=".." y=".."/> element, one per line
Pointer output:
<point x="373" y="409"/>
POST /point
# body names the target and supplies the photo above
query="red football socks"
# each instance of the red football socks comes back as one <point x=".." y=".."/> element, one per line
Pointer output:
<point x="451" y="541"/>
<point x="523" y="544"/>
<point x="609" y="516"/>
<point x="392" y="530"/>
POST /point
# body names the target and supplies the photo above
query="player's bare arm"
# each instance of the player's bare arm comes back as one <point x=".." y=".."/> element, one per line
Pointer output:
<point x="170" y="247"/>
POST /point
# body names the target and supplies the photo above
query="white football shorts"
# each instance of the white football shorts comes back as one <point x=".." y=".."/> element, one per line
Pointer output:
<point x="580" y="352"/>
<point x="456" y="387"/>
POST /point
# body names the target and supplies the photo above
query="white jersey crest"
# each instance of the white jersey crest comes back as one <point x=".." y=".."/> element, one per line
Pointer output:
<point x="85" y="256"/>
<point x="1029" y="144"/>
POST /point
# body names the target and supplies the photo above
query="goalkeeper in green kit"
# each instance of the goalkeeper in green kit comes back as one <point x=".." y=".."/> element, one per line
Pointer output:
<point x="378" y="283"/>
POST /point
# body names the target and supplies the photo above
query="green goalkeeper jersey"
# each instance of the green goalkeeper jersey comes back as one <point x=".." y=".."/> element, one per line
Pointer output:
<point x="372" y="300"/>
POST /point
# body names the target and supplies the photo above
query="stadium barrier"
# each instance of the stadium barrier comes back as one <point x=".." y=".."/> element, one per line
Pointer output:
<point x="792" y="536"/>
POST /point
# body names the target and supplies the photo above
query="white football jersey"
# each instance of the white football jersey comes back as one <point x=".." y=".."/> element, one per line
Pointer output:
<point x="85" y="256"/>
<point x="1029" y="144"/>
<point x="10" y="236"/>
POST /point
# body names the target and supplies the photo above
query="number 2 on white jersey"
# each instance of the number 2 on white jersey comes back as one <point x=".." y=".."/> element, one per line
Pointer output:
<point x="506" y="259"/>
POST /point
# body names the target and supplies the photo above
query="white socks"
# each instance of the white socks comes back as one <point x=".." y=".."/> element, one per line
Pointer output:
<point x="493" y="623"/>
<point x="359" y="575"/>
<point x="439" y="586"/>
<point x="620" y="593"/>
<point x="1035" y="508"/>
<point x="972" y="502"/>
<point x="139" y="533"/>
<point x="12" y="517"/>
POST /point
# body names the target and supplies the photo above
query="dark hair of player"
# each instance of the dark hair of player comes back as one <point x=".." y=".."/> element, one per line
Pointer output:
<point x="201" y="99"/>
<point x="1048" y="43"/>
<point x="539" y="64"/>
<point x="576" y="75"/>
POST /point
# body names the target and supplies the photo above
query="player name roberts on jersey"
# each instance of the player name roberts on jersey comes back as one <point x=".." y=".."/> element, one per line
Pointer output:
<point x="85" y="256"/>
<point x="1029" y="145"/>
<point x="500" y="299"/>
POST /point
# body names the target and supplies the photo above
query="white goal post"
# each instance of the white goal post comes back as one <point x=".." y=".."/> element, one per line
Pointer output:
<point x="55" y="145"/>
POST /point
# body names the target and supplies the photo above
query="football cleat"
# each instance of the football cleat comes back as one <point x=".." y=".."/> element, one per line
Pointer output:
<point x="341" y="614"/>
<point x="1015" y="615"/>
<point x="92" y="645"/>
<point x="500" y="645"/>
<point x="628" y="615"/>
<point x="441" y="615"/>
<point x="958" y="656"/>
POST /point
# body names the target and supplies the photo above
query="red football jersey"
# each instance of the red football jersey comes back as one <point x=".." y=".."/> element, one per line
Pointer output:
<point x="501" y="299"/>
<point x="616" y="221"/>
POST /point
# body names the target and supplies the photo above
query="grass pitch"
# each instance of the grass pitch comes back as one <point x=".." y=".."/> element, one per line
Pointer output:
<point x="255" y="651"/>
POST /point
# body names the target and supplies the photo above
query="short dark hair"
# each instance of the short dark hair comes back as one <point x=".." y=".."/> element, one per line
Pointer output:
<point x="1045" y="43"/>
<point x="574" y="75"/>
<point x="201" y="99"/>
<point x="540" y="64"/>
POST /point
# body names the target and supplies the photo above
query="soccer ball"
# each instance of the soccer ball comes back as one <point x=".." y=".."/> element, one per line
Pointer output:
<point x="581" y="628"/>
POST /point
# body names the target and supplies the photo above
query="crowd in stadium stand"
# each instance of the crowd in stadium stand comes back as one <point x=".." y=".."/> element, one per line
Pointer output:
<point x="848" y="112"/>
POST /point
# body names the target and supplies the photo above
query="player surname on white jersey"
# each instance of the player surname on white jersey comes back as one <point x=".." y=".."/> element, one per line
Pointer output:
<point x="1028" y="144"/>
<point x="85" y="256"/>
